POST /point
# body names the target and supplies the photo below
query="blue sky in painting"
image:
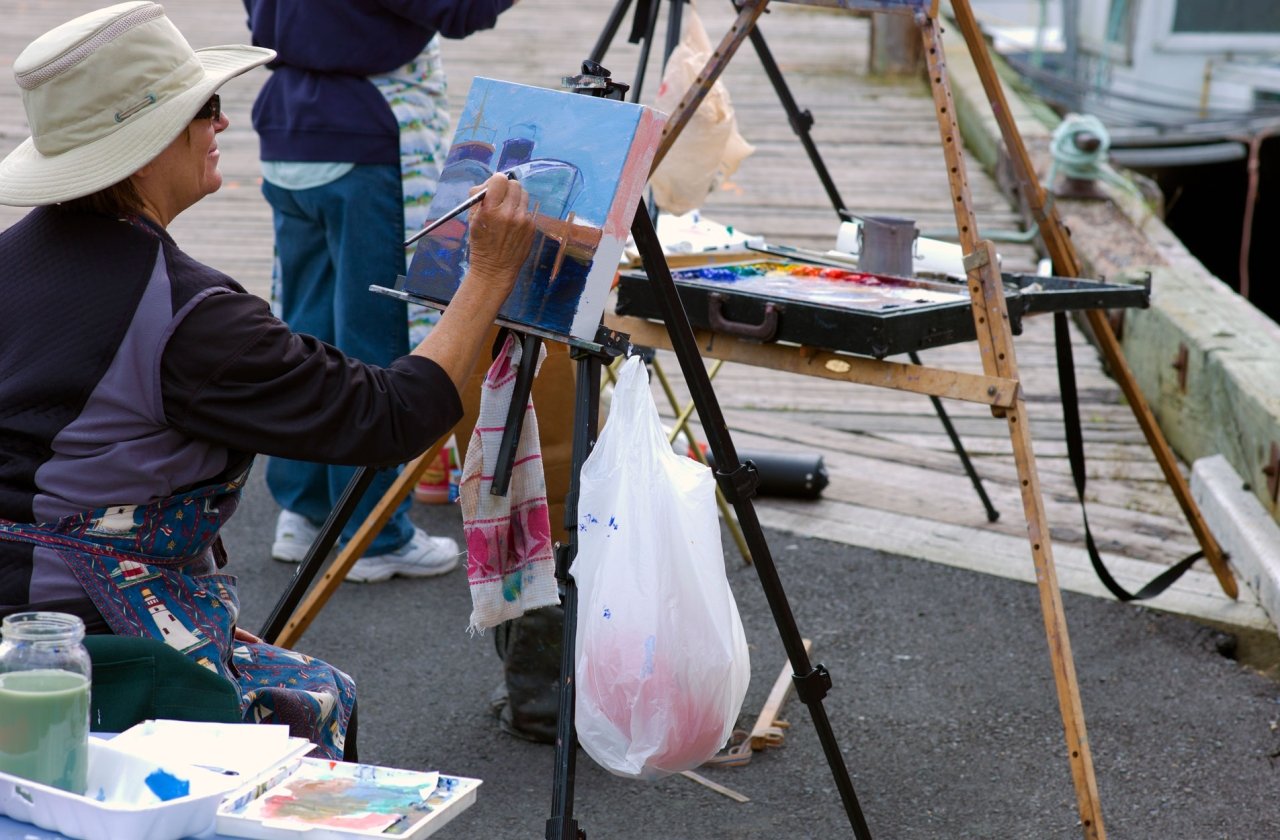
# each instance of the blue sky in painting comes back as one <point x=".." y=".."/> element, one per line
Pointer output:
<point x="599" y="152"/>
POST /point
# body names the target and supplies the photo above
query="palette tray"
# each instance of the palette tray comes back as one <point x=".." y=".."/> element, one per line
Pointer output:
<point x="777" y="299"/>
<point x="840" y="308"/>
<point x="122" y="800"/>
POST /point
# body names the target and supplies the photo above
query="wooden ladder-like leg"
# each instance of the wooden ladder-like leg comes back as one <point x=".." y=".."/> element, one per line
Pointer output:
<point x="996" y="343"/>
<point x="1066" y="263"/>
<point x="336" y="572"/>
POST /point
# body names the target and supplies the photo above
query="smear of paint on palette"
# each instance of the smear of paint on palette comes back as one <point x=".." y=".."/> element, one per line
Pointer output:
<point x="817" y="284"/>
<point x="739" y="271"/>
<point x="352" y="798"/>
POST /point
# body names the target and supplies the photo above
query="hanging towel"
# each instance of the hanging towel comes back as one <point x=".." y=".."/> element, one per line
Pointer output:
<point x="510" y="562"/>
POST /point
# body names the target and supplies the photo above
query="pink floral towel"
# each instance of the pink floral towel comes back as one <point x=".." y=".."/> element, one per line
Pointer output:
<point x="510" y="562"/>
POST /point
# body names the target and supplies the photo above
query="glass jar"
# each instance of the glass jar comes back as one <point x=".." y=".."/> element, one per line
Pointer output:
<point x="44" y="699"/>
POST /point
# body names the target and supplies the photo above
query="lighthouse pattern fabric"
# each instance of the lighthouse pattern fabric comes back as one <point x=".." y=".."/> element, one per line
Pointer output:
<point x="153" y="571"/>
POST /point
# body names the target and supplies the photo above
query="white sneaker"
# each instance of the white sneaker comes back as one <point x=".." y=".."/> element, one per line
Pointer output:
<point x="294" y="536"/>
<point x="422" y="556"/>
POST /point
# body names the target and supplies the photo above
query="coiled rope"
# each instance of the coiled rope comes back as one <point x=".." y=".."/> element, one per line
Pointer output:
<point x="1071" y="160"/>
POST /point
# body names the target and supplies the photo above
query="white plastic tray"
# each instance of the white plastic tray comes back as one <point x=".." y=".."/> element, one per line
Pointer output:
<point x="120" y="805"/>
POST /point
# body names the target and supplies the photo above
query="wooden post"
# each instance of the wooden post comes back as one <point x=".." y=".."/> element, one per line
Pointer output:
<point x="895" y="46"/>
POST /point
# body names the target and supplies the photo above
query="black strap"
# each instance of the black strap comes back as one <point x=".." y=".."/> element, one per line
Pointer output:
<point x="1075" y="454"/>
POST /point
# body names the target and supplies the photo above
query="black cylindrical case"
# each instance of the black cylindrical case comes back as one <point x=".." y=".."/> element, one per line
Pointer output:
<point x="797" y="476"/>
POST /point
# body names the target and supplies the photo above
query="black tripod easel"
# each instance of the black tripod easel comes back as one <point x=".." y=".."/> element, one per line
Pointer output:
<point x="643" y="29"/>
<point x="737" y="481"/>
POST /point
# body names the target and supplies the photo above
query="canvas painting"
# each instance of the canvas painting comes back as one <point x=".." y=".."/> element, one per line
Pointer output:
<point x="584" y="162"/>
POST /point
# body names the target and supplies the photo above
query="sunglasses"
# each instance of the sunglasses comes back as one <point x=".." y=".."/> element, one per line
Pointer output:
<point x="212" y="110"/>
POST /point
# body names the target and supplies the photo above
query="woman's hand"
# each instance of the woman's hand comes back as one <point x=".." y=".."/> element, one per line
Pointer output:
<point x="501" y="233"/>
<point x="242" y="635"/>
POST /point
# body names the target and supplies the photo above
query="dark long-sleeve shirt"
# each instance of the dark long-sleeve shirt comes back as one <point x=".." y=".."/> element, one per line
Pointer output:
<point x="129" y="372"/>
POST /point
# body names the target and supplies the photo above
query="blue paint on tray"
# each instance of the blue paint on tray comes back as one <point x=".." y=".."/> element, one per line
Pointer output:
<point x="167" y="786"/>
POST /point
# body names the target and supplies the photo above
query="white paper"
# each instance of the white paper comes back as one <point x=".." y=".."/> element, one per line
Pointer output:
<point x="244" y="750"/>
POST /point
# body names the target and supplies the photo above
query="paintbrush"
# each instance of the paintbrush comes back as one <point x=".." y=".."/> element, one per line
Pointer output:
<point x="461" y="208"/>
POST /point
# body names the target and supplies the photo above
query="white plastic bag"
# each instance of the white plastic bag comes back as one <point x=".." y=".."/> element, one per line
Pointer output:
<point x="709" y="148"/>
<point x="662" y="662"/>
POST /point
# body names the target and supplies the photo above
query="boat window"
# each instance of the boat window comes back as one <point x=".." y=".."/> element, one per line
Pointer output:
<point x="1243" y="16"/>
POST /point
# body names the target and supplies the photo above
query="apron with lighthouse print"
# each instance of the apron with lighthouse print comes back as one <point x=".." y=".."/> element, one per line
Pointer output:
<point x="135" y="563"/>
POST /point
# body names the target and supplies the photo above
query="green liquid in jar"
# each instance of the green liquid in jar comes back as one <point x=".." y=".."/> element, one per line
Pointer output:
<point x="44" y="727"/>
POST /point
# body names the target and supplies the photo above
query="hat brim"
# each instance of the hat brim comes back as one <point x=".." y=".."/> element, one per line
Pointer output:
<point x="29" y="178"/>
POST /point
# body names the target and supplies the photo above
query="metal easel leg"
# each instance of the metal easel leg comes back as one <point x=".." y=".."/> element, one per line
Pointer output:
<point x="801" y="122"/>
<point x="530" y="347"/>
<point x="586" y="421"/>
<point x="610" y="30"/>
<point x="974" y="478"/>
<point x="738" y="482"/>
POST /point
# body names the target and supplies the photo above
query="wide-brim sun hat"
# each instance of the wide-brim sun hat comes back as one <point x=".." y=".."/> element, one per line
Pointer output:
<point x="105" y="94"/>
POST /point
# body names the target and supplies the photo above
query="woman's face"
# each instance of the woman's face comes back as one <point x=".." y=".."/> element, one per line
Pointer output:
<point x="186" y="171"/>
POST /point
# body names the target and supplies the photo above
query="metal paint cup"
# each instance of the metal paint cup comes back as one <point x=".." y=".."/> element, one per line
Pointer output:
<point x="887" y="245"/>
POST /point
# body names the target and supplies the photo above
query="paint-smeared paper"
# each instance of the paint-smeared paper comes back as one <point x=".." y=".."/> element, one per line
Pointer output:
<point x="332" y="798"/>
<point x="584" y="162"/>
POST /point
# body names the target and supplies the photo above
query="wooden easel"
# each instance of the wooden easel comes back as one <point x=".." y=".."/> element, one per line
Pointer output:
<point x="1057" y="242"/>
<point x="997" y="387"/>
<point x="1053" y="232"/>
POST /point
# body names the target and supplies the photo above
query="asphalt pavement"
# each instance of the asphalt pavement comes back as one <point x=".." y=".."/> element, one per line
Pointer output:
<point x="943" y="706"/>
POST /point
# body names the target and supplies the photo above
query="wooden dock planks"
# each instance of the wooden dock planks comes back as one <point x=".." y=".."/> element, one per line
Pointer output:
<point x="879" y="140"/>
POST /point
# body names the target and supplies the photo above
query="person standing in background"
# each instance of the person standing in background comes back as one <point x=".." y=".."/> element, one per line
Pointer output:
<point x="352" y="126"/>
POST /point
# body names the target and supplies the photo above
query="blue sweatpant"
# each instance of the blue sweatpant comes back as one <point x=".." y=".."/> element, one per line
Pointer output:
<point x="333" y="242"/>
